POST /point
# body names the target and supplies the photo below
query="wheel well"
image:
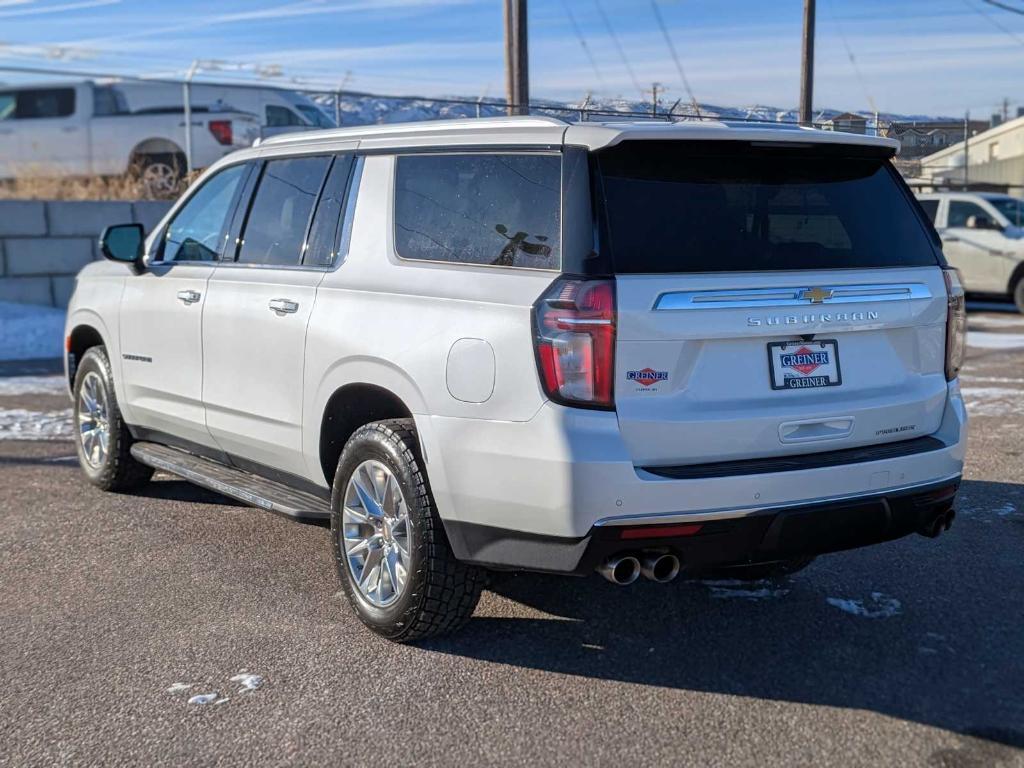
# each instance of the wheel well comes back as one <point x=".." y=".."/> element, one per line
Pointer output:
<point x="82" y="338"/>
<point x="156" y="147"/>
<point x="1016" y="277"/>
<point x="349" y="408"/>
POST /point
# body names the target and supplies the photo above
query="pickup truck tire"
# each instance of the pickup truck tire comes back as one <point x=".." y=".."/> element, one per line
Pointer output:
<point x="102" y="439"/>
<point x="1018" y="294"/>
<point x="160" y="174"/>
<point x="439" y="593"/>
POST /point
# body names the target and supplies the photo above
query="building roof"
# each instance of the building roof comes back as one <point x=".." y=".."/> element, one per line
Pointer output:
<point x="551" y="132"/>
<point x="954" y="149"/>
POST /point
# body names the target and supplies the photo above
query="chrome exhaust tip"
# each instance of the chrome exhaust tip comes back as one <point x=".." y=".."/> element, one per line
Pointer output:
<point x="621" y="569"/>
<point x="660" y="567"/>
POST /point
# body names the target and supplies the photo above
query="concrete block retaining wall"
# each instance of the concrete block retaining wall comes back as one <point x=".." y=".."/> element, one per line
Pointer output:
<point x="44" y="244"/>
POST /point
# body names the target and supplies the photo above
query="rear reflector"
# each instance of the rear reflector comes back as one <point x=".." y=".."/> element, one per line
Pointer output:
<point x="660" y="532"/>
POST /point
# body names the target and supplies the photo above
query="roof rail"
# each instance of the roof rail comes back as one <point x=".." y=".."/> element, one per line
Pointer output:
<point x="432" y="126"/>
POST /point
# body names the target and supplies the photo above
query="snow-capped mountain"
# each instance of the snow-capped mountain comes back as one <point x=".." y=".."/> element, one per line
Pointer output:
<point x="359" y="109"/>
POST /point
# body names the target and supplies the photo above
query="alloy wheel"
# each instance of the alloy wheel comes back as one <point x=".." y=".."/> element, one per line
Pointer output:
<point x="375" y="532"/>
<point x="93" y="420"/>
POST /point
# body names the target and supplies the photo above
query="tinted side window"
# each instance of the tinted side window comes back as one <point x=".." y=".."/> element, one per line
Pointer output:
<point x="278" y="117"/>
<point x="44" y="102"/>
<point x="276" y="226"/>
<point x="197" y="231"/>
<point x="960" y="211"/>
<point x="931" y="207"/>
<point x="7" y="106"/>
<point x="497" y="209"/>
<point x="321" y="246"/>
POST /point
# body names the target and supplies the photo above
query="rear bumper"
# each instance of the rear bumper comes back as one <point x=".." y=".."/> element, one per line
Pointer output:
<point x="536" y="494"/>
<point x="784" y="534"/>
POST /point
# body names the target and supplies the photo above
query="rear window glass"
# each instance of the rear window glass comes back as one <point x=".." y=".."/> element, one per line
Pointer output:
<point x="674" y="207"/>
<point x="501" y="210"/>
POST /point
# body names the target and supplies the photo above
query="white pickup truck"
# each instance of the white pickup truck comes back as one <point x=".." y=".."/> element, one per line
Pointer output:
<point x="85" y="129"/>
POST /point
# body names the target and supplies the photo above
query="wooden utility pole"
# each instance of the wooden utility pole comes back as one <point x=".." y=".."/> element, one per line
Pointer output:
<point x="967" y="139"/>
<point x="655" y="87"/>
<point x="807" y="65"/>
<point x="517" y="58"/>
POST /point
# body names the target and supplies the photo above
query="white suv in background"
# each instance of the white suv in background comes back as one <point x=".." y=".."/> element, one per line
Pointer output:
<point x="520" y="343"/>
<point x="983" y="237"/>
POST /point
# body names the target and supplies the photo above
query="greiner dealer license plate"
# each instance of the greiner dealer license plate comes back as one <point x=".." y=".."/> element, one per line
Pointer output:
<point x="804" y="364"/>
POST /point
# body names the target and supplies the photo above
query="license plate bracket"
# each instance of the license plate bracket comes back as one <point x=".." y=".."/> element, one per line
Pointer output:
<point x="804" y="364"/>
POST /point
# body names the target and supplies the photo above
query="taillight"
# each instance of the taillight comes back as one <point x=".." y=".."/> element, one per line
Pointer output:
<point x="574" y="328"/>
<point x="956" y="323"/>
<point x="221" y="130"/>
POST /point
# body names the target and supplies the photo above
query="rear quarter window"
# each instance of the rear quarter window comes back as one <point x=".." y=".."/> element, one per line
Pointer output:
<point x="668" y="207"/>
<point x="493" y="209"/>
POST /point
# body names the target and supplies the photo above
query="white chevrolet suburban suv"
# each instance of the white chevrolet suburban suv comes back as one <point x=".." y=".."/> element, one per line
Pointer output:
<point x="519" y="343"/>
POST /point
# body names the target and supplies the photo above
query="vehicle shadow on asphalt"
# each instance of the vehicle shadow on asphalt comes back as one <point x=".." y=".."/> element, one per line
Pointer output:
<point x="949" y="653"/>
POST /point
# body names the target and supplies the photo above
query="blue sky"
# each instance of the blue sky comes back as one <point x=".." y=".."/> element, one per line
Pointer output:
<point x="915" y="56"/>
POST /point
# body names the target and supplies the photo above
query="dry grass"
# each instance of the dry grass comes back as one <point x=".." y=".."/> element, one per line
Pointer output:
<point x="42" y="187"/>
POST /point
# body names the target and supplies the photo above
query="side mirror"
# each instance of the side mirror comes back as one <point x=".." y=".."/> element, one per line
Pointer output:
<point x="123" y="242"/>
<point x="981" y="222"/>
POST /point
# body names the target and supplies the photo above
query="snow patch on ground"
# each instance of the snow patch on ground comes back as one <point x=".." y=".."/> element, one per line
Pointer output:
<point x="204" y="698"/>
<point x="993" y="401"/>
<point x="30" y="331"/>
<point x="878" y="606"/>
<point x="247" y="682"/>
<point x="735" y="589"/>
<point x="22" y="424"/>
<point x="985" y="340"/>
<point x="33" y="385"/>
<point x="180" y="687"/>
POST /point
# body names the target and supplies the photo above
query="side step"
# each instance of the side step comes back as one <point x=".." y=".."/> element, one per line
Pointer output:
<point x="243" y="486"/>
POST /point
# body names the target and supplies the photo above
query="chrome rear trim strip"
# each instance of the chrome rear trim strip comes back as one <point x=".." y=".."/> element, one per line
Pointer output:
<point x="790" y="297"/>
<point x="701" y="516"/>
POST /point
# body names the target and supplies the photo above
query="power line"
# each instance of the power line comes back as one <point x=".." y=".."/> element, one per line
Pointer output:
<point x="994" y="21"/>
<point x="618" y="46"/>
<point x="853" y="60"/>
<point x="1004" y="6"/>
<point x="583" y="43"/>
<point x="675" y="56"/>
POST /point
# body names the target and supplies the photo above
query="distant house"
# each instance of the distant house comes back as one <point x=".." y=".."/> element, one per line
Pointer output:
<point x="918" y="139"/>
<point x="847" y="122"/>
<point x="994" y="158"/>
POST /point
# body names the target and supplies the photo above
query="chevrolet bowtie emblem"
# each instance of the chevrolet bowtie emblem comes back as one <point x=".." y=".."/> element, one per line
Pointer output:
<point x="816" y="295"/>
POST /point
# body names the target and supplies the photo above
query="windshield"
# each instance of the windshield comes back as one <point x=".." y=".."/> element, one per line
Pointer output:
<point x="730" y="206"/>
<point x="315" y="116"/>
<point x="1011" y="208"/>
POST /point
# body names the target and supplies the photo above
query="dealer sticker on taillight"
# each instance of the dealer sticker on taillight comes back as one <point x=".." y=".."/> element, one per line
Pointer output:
<point x="804" y="364"/>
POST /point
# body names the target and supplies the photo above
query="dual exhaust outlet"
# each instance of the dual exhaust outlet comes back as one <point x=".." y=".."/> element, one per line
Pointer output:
<point x="661" y="567"/>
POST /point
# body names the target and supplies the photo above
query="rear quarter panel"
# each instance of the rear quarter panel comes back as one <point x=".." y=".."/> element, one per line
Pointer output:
<point x="390" y="322"/>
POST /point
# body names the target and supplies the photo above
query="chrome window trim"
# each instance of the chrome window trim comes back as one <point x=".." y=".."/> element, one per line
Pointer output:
<point x="672" y="301"/>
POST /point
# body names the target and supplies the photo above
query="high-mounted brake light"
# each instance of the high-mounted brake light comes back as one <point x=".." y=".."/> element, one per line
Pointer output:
<point x="221" y="130"/>
<point x="956" y="323"/>
<point x="574" y="336"/>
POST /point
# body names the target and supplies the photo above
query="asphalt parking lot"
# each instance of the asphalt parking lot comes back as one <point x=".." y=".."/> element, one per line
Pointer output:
<point x="117" y="610"/>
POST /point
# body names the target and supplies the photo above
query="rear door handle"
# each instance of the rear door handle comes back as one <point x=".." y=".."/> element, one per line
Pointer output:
<point x="189" y="297"/>
<point x="950" y="239"/>
<point x="284" y="306"/>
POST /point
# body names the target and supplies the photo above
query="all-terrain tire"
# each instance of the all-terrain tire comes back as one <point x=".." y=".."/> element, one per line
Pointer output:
<point x="441" y="592"/>
<point x="117" y="470"/>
